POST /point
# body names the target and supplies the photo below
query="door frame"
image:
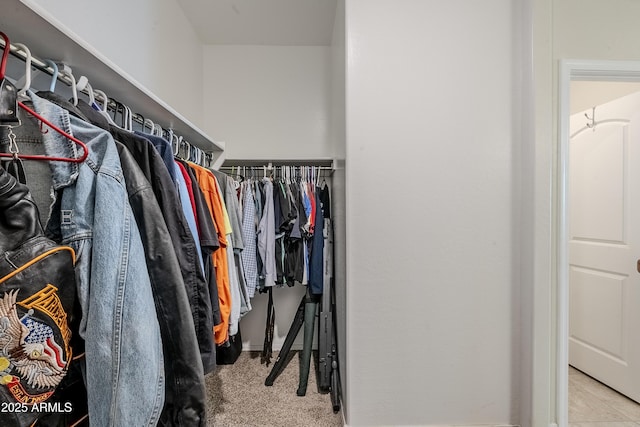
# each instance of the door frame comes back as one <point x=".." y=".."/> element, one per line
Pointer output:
<point x="573" y="70"/>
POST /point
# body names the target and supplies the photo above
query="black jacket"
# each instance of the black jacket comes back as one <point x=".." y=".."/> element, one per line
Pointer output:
<point x="37" y="294"/>
<point x="185" y="398"/>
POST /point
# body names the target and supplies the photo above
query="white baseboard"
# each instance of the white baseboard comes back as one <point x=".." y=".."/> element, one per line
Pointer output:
<point x="456" y="425"/>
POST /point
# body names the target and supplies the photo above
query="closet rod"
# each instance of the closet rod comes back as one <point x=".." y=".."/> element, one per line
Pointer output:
<point x="46" y="68"/>
<point x="321" y="170"/>
<point x="35" y="62"/>
<point x="324" y="163"/>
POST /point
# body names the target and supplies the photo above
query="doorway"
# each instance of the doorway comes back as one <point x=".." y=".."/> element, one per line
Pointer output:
<point x="604" y="244"/>
<point x="577" y="76"/>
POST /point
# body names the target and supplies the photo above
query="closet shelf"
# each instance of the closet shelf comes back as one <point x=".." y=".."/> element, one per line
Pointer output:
<point x="24" y="21"/>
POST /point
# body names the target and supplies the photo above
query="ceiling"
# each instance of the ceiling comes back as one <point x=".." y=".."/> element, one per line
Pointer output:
<point x="588" y="94"/>
<point x="262" y="22"/>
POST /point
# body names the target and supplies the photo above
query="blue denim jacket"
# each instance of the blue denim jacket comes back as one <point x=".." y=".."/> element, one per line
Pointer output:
<point x="124" y="360"/>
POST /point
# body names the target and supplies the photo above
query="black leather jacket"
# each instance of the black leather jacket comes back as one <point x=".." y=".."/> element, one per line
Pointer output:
<point x="37" y="294"/>
<point x="185" y="399"/>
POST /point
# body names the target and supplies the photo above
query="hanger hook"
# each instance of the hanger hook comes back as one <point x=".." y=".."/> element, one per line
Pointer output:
<point x="82" y="84"/>
<point x="148" y="122"/>
<point x="92" y="96"/>
<point x="27" y="75"/>
<point x="105" y="98"/>
<point x="66" y="71"/>
<point x="124" y="111"/>
<point x="54" y="78"/>
<point x="157" y="130"/>
<point x="129" y="122"/>
<point x="592" y="119"/>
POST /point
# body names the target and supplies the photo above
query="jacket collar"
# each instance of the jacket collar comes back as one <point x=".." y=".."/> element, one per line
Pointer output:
<point x="55" y="144"/>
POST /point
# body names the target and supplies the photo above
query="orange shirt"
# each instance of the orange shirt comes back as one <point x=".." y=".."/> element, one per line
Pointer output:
<point x="213" y="198"/>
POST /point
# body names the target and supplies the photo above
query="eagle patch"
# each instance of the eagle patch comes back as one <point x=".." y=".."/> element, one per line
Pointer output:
<point x="34" y="357"/>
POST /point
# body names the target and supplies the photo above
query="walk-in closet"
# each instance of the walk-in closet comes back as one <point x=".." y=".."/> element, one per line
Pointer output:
<point x="410" y="156"/>
<point x="189" y="257"/>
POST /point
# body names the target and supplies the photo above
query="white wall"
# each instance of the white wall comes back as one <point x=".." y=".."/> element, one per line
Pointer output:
<point x="269" y="102"/>
<point x="252" y="325"/>
<point x="338" y="201"/>
<point x="151" y="40"/>
<point x="338" y="70"/>
<point x="433" y="310"/>
<point x="599" y="31"/>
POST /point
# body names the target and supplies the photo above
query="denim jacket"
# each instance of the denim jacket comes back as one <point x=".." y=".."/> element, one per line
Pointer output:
<point x="91" y="213"/>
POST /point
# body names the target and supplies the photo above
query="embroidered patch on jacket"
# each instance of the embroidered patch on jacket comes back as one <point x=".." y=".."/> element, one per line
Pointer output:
<point x="66" y="217"/>
<point x="34" y="344"/>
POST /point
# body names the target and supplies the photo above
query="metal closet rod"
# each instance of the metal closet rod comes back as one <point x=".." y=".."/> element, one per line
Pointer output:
<point x="269" y="164"/>
<point x="46" y="68"/>
<point x="323" y="168"/>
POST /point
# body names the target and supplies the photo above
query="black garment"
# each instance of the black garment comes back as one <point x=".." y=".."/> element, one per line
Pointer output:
<point x="164" y="149"/>
<point x="183" y="241"/>
<point x="209" y="242"/>
<point x="281" y="214"/>
<point x="185" y="396"/>
<point x="316" y="263"/>
<point x="260" y="198"/>
<point x="36" y="306"/>
<point x="295" y="244"/>
<point x="287" y="249"/>
<point x="63" y="103"/>
<point x="325" y="198"/>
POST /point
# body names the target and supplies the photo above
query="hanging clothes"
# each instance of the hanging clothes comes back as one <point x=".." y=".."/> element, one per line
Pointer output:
<point x="164" y="149"/>
<point x="240" y="304"/>
<point x="232" y="204"/>
<point x="249" y="254"/>
<point x="316" y="261"/>
<point x="212" y="197"/>
<point x="83" y="217"/>
<point x="209" y="243"/>
<point x="183" y="241"/>
<point x="296" y="241"/>
<point x="267" y="237"/>
<point x="298" y="253"/>
<point x="184" y="394"/>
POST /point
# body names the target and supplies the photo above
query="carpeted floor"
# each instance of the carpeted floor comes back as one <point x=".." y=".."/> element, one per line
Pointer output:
<point x="238" y="397"/>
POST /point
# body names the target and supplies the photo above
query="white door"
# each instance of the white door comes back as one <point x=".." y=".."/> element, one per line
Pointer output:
<point x="604" y="245"/>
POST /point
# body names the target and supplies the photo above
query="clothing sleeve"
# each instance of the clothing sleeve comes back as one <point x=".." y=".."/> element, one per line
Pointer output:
<point x="267" y="237"/>
<point x="233" y="209"/>
<point x="212" y="197"/>
<point x="249" y="260"/>
<point x="119" y="321"/>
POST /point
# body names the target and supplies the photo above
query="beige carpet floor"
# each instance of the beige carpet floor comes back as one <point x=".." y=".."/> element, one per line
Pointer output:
<point x="238" y="397"/>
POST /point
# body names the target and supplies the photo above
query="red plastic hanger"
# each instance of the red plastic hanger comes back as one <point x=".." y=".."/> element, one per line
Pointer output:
<point x="3" y="67"/>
